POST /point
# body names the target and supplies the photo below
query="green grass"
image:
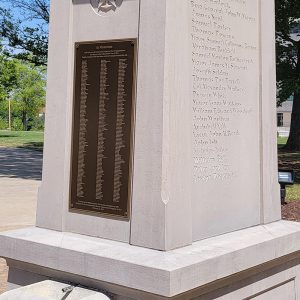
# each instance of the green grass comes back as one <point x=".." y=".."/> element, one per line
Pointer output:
<point x="293" y="192"/>
<point x="290" y="160"/>
<point x="281" y="141"/>
<point x="22" y="139"/>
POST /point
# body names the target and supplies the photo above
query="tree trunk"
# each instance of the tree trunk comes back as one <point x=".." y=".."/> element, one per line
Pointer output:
<point x="293" y="143"/>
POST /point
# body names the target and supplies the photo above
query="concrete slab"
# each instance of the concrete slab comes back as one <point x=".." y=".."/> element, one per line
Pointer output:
<point x="20" y="177"/>
<point x="52" y="290"/>
<point x="166" y="274"/>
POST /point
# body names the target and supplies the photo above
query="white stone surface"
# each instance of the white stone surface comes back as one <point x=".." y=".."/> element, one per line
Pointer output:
<point x="226" y="116"/>
<point x="234" y="146"/>
<point x="270" y="210"/>
<point x="51" y="290"/>
<point x="234" y="116"/>
<point x="161" y="200"/>
<point x="163" y="273"/>
<point x="192" y="179"/>
<point x="204" y="155"/>
<point x="51" y="193"/>
<point x="18" y="203"/>
<point x="66" y="28"/>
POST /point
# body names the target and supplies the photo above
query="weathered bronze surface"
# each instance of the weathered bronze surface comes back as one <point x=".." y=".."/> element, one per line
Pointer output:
<point x="102" y="128"/>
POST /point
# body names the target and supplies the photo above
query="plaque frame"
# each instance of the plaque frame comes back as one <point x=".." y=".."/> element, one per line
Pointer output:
<point x="71" y="209"/>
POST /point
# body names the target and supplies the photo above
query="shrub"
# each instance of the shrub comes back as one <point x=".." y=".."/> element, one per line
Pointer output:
<point x="17" y="124"/>
<point x="36" y="124"/>
<point x="3" y="124"/>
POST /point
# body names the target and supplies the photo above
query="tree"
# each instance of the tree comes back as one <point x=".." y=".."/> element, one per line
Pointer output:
<point x="29" y="94"/>
<point x="24" y="27"/>
<point x="288" y="63"/>
<point x="23" y="84"/>
<point x="8" y="77"/>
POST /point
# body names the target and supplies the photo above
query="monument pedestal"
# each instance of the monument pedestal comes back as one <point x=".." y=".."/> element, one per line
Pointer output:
<point x="160" y="161"/>
<point x="255" y="263"/>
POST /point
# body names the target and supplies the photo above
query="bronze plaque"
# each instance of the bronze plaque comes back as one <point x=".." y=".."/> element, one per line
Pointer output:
<point x="102" y="128"/>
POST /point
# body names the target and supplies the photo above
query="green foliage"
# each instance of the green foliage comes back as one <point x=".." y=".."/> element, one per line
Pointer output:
<point x="23" y="84"/>
<point x="8" y="76"/>
<point x="22" y="139"/>
<point x="281" y="141"/>
<point x="3" y="123"/>
<point x="288" y="48"/>
<point x="288" y="63"/>
<point x="24" y="27"/>
<point x="23" y="38"/>
<point x="36" y="124"/>
<point x="3" y="110"/>
<point x="293" y="192"/>
<point x="17" y="124"/>
<point x="29" y="94"/>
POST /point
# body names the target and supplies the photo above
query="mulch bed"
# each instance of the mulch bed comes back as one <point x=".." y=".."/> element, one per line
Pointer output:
<point x="291" y="211"/>
<point x="290" y="160"/>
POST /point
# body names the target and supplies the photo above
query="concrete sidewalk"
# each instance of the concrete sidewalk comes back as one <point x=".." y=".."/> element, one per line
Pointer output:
<point x="20" y="177"/>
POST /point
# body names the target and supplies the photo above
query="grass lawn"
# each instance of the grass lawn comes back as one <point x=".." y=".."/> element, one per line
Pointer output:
<point x="281" y="141"/>
<point x="22" y="139"/>
<point x="290" y="160"/>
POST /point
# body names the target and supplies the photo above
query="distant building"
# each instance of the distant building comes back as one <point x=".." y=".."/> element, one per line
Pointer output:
<point x="284" y="115"/>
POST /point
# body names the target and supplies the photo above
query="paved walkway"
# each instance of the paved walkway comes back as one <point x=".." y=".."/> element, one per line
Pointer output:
<point x="20" y="177"/>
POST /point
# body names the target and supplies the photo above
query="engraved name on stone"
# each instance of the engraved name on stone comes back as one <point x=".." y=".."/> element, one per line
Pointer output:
<point x="220" y="58"/>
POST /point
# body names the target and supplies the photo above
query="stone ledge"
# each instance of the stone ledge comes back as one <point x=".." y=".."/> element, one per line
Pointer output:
<point x="162" y="273"/>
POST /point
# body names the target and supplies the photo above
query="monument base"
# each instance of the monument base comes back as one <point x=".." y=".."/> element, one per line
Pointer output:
<point x="261" y="262"/>
<point x="49" y="290"/>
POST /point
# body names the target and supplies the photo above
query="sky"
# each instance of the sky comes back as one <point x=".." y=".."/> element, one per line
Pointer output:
<point x="19" y="14"/>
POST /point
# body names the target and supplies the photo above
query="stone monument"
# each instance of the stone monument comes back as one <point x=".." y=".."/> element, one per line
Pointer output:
<point x="160" y="161"/>
<point x="3" y="276"/>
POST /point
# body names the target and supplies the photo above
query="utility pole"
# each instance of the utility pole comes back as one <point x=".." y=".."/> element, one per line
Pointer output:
<point x="9" y="114"/>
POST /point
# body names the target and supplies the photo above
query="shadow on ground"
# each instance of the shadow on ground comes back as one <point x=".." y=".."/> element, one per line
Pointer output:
<point x="20" y="163"/>
<point x="38" y="146"/>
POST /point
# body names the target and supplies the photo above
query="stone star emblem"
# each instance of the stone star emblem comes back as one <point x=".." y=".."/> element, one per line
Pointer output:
<point x="107" y="5"/>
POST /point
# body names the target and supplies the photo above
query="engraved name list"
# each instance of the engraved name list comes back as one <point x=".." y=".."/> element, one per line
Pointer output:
<point x="225" y="60"/>
<point x="102" y="128"/>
